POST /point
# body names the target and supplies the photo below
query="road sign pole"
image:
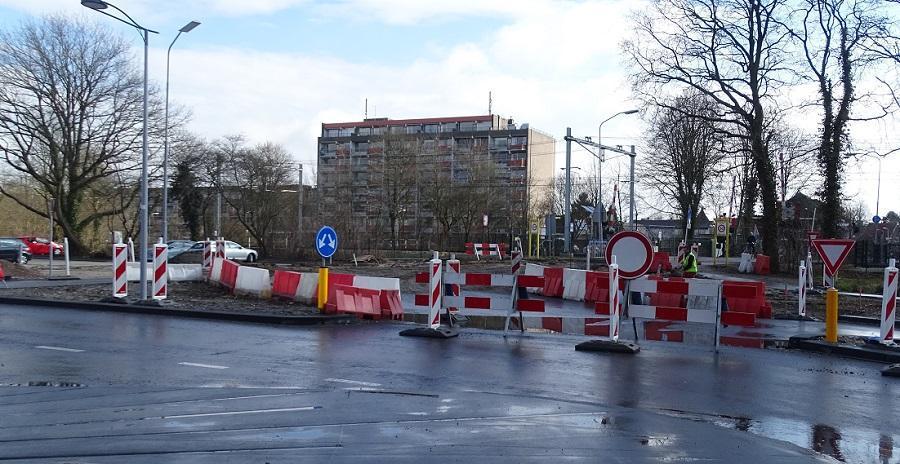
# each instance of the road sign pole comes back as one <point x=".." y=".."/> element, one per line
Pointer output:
<point x="831" y="315"/>
<point x="323" y="287"/>
<point x="326" y="246"/>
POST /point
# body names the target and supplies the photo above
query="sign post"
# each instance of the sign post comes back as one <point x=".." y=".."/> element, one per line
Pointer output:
<point x="326" y="246"/>
<point x="630" y="254"/>
<point x="833" y="253"/>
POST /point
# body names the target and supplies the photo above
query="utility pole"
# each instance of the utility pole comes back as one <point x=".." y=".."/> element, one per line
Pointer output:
<point x="300" y="200"/>
<point x="567" y="207"/>
<point x="50" y="255"/>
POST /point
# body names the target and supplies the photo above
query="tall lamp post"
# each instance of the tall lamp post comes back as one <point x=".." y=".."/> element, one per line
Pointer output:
<point x="602" y="154"/>
<point x="165" y="216"/>
<point x="99" y="6"/>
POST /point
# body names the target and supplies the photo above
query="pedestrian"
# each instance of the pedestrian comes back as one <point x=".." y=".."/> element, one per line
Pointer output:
<point x="689" y="265"/>
<point x="751" y="244"/>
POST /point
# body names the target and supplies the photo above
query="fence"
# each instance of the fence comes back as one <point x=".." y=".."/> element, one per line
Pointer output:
<point x="871" y="254"/>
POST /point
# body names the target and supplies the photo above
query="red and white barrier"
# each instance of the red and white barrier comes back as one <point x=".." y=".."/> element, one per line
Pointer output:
<point x="220" y="249"/>
<point x="516" y="261"/>
<point x="574" y="284"/>
<point x="801" y="290"/>
<point x="207" y="254"/>
<point x="889" y="303"/>
<point x="252" y="281"/>
<point x="215" y="274"/>
<point x="160" y="271"/>
<point x="485" y="249"/>
<point x="120" y="270"/>
<point x="452" y="272"/>
<point x="434" y="293"/>
<point x="485" y="301"/>
<point x="614" y="300"/>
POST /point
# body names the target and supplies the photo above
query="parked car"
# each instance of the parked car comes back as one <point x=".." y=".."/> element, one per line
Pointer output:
<point x="176" y="247"/>
<point x="232" y="251"/>
<point x="41" y="246"/>
<point x="9" y="250"/>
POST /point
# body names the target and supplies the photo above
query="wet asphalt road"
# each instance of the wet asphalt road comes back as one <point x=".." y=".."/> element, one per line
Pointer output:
<point x="156" y="389"/>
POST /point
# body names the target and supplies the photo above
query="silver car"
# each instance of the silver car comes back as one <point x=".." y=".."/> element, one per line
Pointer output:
<point x="232" y="251"/>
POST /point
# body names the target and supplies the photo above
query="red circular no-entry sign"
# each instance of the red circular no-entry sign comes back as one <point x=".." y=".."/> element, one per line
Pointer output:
<point x="633" y="253"/>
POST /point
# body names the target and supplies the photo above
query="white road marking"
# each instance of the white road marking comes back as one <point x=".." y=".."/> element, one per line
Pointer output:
<point x="354" y="382"/>
<point x="59" y="348"/>
<point x="208" y="366"/>
<point x="235" y="413"/>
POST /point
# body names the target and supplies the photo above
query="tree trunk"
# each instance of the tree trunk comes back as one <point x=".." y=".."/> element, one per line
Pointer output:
<point x="768" y="193"/>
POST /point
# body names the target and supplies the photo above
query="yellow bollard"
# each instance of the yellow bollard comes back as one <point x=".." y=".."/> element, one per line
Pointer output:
<point x="831" y="315"/>
<point x="323" y="288"/>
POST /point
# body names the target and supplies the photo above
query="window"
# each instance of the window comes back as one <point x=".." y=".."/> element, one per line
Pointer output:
<point x="362" y="146"/>
<point x="347" y="131"/>
<point x="518" y="142"/>
<point x="432" y="128"/>
<point x="332" y="133"/>
<point x="377" y="131"/>
<point x="483" y="126"/>
<point x="397" y="129"/>
<point x="364" y="131"/>
<point x="414" y="129"/>
<point x="448" y="127"/>
<point x="428" y="146"/>
<point x="481" y="142"/>
<point x="330" y="147"/>
<point x="466" y="126"/>
<point x="464" y="144"/>
<point x="500" y="143"/>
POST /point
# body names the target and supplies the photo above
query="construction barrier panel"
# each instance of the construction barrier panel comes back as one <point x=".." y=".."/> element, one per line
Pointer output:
<point x="160" y="271"/>
<point x="120" y="272"/>
<point x="661" y="262"/>
<point x="801" y="290"/>
<point x="889" y="303"/>
<point x="207" y="254"/>
<point x="285" y="284"/>
<point x="335" y="279"/>
<point x="185" y="272"/>
<point x="215" y="274"/>
<point x="228" y="279"/>
<point x="535" y="270"/>
<point x="485" y="249"/>
<point x="308" y="290"/>
<point x="252" y="281"/>
<point x="574" y="284"/>
<point x="747" y="297"/>
<point x="761" y="266"/>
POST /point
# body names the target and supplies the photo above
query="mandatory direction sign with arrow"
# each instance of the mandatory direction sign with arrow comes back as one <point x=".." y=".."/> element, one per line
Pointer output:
<point x="326" y="242"/>
<point x="833" y="252"/>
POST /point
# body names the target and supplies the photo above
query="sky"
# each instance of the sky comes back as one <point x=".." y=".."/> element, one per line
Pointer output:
<point x="274" y="70"/>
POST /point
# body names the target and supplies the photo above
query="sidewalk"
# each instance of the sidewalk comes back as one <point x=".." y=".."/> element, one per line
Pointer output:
<point x="61" y="282"/>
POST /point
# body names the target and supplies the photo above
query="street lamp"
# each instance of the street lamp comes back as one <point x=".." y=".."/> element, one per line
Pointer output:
<point x="600" y="158"/>
<point x="99" y="6"/>
<point x="165" y="219"/>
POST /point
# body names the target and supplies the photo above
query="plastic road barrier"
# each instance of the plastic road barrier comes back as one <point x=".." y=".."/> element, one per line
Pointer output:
<point x="889" y="303"/>
<point x="252" y="281"/>
<point x="120" y="270"/>
<point x="801" y="290"/>
<point x="207" y="254"/>
<point x="160" y="271"/>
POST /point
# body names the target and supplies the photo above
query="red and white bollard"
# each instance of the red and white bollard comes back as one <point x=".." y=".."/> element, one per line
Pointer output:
<point x="207" y="254"/>
<point x="220" y="248"/>
<point x="889" y="303"/>
<point x="614" y="300"/>
<point x="160" y="271"/>
<point x="516" y="261"/>
<point x="801" y="290"/>
<point x="827" y="279"/>
<point x="120" y="270"/>
<point x="453" y="268"/>
<point x="434" y="293"/>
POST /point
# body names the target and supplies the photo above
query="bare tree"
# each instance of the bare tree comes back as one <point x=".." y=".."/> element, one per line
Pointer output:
<point x="839" y="41"/>
<point x="685" y="151"/>
<point x="390" y="167"/>
<point x="251" y="180"/>
<point x="731" y="51"/>
<point x="70" y="118"/>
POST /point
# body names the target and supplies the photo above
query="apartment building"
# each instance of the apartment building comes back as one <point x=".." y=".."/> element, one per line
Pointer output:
<point x="429" y="183"/>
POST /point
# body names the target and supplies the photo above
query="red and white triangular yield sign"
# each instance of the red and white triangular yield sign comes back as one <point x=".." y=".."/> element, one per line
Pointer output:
<point x="833" y="252"/>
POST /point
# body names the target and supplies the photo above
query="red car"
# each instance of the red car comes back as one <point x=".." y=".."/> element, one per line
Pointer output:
<point x="41" y="246"/>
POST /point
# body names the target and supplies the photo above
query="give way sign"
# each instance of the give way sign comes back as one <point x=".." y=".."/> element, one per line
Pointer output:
<point x="833" y="252"/>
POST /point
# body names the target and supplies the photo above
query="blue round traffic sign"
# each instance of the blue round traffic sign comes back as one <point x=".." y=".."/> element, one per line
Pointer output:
<point x="876" y="219"/>
<point x="326" y="242"/>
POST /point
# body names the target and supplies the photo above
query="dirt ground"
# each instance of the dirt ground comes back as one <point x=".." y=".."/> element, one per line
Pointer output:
<point x="198" y="296"/>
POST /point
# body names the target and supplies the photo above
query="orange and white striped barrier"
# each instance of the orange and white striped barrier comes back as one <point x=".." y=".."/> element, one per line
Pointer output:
<point x="160" y="271"/>
<point x="220" y="249"/>
<point x="516" y="261"/>
<point x="801" y="290"/>
<point x="120" y="270"/>
<point x="485" y="249"/>
<point x="703" y="302"/>
<point x="452" y="272"/>
<point x="434" y="293"/>
<point x="889" y="303"/>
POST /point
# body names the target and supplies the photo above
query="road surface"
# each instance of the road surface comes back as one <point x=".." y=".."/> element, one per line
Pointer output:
<point x="110" y="387"/>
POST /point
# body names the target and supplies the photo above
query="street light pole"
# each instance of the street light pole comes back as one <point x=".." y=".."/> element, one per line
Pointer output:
<point x="632" y="155"/>
<point x="99" y="6"/>
<point x="567" y="208"/>
<point x="165" y="215"/>
<point x="600" y="158"/>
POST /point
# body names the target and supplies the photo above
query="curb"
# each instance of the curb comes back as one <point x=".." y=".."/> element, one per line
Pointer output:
<point x="163" y="311"/>
<point x="812" y="343"/>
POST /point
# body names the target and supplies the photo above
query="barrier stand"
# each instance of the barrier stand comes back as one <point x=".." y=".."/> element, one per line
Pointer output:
<point x="612" y="344"/>
<point x="160" y="271"/>
<point x="452" y="289"/>
<point x="801" y="290"/>
<point x="120" y="267"/>
<point x="889" y="303"/>
<point x="434" y="329"/>
<point x="809" y="271"/>
<point x="207" y="255"/>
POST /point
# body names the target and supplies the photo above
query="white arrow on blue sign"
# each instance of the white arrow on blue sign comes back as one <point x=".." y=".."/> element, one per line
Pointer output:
<point x="326" y="242"/>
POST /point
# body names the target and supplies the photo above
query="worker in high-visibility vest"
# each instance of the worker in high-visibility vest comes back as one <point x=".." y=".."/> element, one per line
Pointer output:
<point x="689" y="264"/>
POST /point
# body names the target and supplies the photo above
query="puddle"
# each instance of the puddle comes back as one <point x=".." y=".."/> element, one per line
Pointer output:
<point x="848" y="445"/>
<point x="43" y="383"/>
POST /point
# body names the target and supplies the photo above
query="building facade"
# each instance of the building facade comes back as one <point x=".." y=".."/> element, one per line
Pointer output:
<point x="428" y="183"/>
